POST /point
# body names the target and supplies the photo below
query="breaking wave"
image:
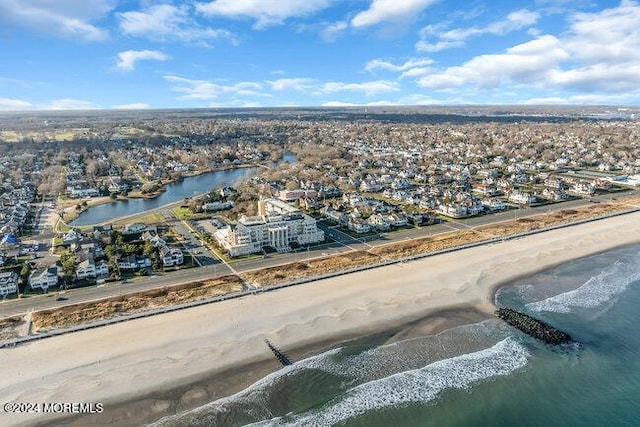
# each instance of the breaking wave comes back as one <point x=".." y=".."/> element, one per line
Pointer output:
<point x="596" y="291"/>
<point x="419" y="385"/>
<point x="247" y="397"/>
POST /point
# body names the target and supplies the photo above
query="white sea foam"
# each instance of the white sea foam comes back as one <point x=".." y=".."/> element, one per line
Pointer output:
<point x="258" y="388"/>
<point x="419" y="385"/>
<point x="596" y="291"/>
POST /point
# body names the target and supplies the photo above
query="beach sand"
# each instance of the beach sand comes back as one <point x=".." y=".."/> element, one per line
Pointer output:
<point x="147" y="368"/>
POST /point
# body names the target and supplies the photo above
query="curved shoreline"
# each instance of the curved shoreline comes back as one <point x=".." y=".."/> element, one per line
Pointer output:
<point x="208" y="341"/>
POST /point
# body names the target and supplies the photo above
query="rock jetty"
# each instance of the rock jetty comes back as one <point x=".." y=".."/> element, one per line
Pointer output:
<point x="279" y="354"/>
<point x="533" y="327"/>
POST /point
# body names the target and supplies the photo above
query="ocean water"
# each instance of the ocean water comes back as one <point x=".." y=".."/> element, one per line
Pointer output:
<point x="484" y="374"/>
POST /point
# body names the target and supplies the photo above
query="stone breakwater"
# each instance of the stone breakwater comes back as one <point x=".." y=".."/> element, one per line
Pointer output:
<point x="533" y="327"/>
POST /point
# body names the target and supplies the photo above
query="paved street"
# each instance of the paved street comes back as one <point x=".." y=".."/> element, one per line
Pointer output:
<point x="339" y="242"/>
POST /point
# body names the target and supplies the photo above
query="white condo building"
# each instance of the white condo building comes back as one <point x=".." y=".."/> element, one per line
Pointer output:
<point x="277" y="224"/>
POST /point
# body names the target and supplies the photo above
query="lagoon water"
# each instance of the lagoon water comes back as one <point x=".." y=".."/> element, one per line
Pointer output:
<point x="187" y="187"/>
<point x="486" y="374"/>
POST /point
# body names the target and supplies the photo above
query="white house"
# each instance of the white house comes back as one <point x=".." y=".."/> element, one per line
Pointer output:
<point x="521" y="197"/>
<point x="397" y="220"/>
<point x="8" y="283"/>
<point x="133" y="262"/>
<point x="359" y="226"/>
<point x="134" y="228"/>
<point x="453" y="211"/>
<point x="72" y="236"/>
<point x="87" y="269"/>
<point x="379" y="222"/>
<point x="494" y="204"/>
<point x="44" y="278"/>
<point x="171" y="256"/>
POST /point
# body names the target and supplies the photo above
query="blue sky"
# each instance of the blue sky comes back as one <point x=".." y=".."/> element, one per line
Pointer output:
<point x="78" y="54"/>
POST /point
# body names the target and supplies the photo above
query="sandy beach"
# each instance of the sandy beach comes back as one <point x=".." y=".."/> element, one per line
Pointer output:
<point x="144" y="369"/>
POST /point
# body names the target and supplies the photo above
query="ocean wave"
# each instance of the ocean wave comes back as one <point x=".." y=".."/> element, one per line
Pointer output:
<point x="249" y="395"/>
<point x="596" y="291"/>
<point x="419" y="385"/>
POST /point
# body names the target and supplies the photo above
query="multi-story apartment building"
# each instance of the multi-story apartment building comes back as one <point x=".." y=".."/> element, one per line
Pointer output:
<point x="277" y="225"/>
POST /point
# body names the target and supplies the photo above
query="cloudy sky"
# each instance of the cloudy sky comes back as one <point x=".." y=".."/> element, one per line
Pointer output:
<point x="70" y="54"/>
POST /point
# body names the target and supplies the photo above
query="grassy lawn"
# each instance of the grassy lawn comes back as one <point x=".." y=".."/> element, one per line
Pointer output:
<point x="185" y="213"/>
<point x="150" y="218"/>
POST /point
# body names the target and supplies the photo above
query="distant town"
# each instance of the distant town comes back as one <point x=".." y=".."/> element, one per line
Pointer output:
<point x="358" y="172"/>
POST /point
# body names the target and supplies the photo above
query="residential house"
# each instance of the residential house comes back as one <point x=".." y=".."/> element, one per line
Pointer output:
<point x="521" y="197"/>
<point x="44" y="278"/>
<point x="171" y="256"/>
<point x="494" y="204"/>
<point x="72" y="236"/>
<point x="8" y="283"/>
<point x="133" y="262"/>
<point x="88" y="269"/>
<point x="379" y="222"/>
<point x="134" y="228"/>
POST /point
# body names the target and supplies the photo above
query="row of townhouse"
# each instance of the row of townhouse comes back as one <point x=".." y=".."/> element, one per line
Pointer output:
<point x="14" y="207"/>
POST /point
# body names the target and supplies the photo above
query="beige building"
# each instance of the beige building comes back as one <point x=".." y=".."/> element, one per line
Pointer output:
<point x="277" y="224"/>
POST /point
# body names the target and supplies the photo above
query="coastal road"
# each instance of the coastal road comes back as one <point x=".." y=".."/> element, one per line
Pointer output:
<point x="339" y="242"/>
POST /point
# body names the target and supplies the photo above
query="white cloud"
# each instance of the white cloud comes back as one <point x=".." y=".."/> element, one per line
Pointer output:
<point x="606" y="77"/>
<point x="609" y="35"/>
<point x="593" y="99"/>
<point x="416" y="72"/>
<point x="352" y="104"/>
<point x="455" y="38"/>
<point x="69" y="104"/>
<point x="380" y="64"/>
<point x="418" y="99"/>
<point x="596" y="60"/>
<point x="514" y="21"/>
<point x="423" y="46"/>
<point x="127" y="59"/>
<point x="525" y="63"/>
<point x="332" y="31"/>
<point x="167" y="22"/>
<point x="205" y="89"/>
<point x="315" y="87"/>
<point x="8" y="104"/>
<point x="369" y="88"/>
<point x="265" y="12"/>
<point x="132" y="106"/>
<point x="299" y="84"/>
<point x="340" y="104"/>
<point x="390" y="10"/>
<point x="66" y="18"/>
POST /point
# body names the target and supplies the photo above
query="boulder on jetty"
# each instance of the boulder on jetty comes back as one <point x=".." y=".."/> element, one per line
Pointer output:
<point x="279" y="354"/>
<point x="533" y="327"/>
